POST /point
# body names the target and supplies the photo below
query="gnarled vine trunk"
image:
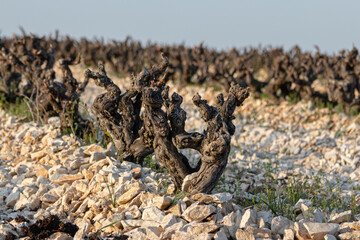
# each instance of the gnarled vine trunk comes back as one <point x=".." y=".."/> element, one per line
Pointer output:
<point x="163" y="132"/>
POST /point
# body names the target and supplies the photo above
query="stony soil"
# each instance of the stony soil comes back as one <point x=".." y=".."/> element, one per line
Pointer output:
<point x="44" y="174"/>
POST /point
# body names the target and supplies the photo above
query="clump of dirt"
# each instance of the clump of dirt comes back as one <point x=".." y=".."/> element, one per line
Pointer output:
<point x="20" y="219"/>
<point x="10" y="236"/>
<point x="43" y="228"/>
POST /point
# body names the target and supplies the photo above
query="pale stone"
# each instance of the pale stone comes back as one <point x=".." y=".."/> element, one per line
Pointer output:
<point x="150" y="223"/>
<point x="329" y="237"/>
<point x="301" y="231"/>
<point x="161" y="202"/>
<point x="128" y="196"/>
<point x="112" y="178"/>
<point x="68" y="179"/>
<point x="136" y="172"/>
<point x="84" y="229"/>
<point x="54" y="121"/>
<point x="83" y="206"/>
<point x="27" y="138"/>
<point x="135" y="201"/>
<point x="4" y="193"/>
<point x="58" y="169"/>
<point x="99" y="217"/>
<point x="76" y="164"/>
<point x="124" y="178"/>
<point x="10" y="122"/>
<point x="97" y="226"/>
<point x="244" y="235"/>
<point x="341" y="217"/>
<point x="43" y="188"/>
<point x="153" y="214"/>
<point x="218" y="218"/>
<point x="97" y="166"/>
<point x="42" y="180"/>
<point x="170" y="230"/>
<point x="33" y="202"/>
<point x="130" y="224"/>
<point x="132" y="212"/>
<point x="317" y="231"/>
<point x="355" y="235"/>
<point x="348" y="227"/>
<point x="171" y="190"/>
<point x="226" y="207"/>
<point x="198" y="212"/>
<point x="97" y="156"/>
<point x="262" y="233"/>
<point x="80" y="185"/>
<point x="87" y="174"/>
<point x="38" y="155"/>
<point x="175" y="209"/>
<point x="279" y="224"/>
<point x="332" y="155"/>
<point x="266" y="217"/>
<point x="21" y="203"/>
<point x="64" y="154"/>
<point x="317" y="216"/>
<point x="261" y="223"/>
<point x="49" y="198"/>
<point x="114" y="219"/>
<point x="232" y="222"/>
<point x="220" y="235"/>
<point x="60" y="236"/>
<point x="306" y="202"/>
<point x="197" y="228"/>
<point x="168" y="220"/>
<point x="135" y="234"/>
<point x="26" y="150"/>
<point x="21" y="169"/>
<point x="12" y="199"/>
<point x="27" y="182"/>
<point x="188" y="236"/>
<point x="248" y="218"/>
<point x="289" y="234"/>
<point x="55" y="142"/>
<point x="20" y="135"/>
<point x="152" y="233"/>
<point x="42" y="171"/>
<point x="213" y="198"/>
<point x="305" y="210"/>
<point x="93" y="148"/>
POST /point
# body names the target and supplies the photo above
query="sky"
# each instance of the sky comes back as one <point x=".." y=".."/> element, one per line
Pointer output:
<point x="331" y="24"/>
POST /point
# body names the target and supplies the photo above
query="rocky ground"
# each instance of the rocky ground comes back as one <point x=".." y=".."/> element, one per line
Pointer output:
<point x="293" y="173"/>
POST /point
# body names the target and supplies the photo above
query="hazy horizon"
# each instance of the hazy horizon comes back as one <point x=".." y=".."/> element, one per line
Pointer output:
<point x="222" y="25"/>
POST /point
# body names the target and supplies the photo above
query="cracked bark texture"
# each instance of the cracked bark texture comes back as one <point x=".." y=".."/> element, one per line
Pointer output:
<point x="160" y="128"/>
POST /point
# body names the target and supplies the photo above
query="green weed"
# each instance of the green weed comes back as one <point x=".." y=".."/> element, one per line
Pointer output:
<point x="112" y="194"/>
<point x="293" y="98"/>
<point x="177" y="197"/>
<point x="20" y="108"/>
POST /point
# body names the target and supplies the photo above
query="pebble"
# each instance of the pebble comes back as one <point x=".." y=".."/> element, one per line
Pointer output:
<point x="317" y="231"/>
<point x="341" y="217"/>
<point x="197" y="212"/>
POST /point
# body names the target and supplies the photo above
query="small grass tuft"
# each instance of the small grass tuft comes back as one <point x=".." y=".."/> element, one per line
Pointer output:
<point x="19" y="108"/>
<point x="111" y="192"/>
